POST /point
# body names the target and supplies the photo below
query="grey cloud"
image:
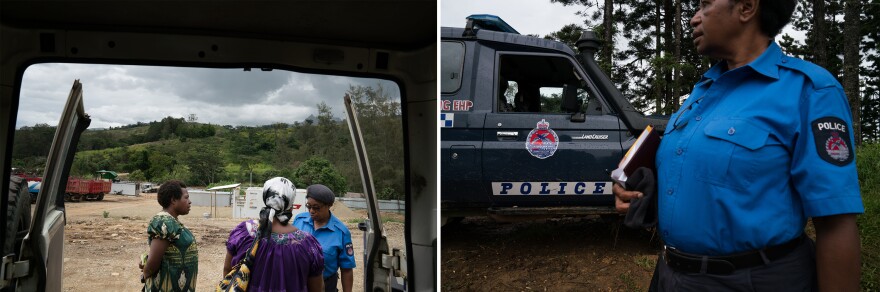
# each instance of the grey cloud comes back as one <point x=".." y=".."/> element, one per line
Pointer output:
<point x="120" y="95"/>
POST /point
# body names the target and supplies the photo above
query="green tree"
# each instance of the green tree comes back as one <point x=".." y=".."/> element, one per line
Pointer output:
<point x="204" y="165"/>
<point x="656" y="66"/>
<point x="137" y="175"/>
<point x="841" y="36"/>
<point x="381" y="125"/>
<point x="869" y="69"/>
<point x="318" y="170"/>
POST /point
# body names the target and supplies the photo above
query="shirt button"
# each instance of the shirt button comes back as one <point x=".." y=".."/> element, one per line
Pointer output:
<point x="731" y="131"/>
<point x="679" y="151"/>
<point x="698" y="118"/>
<point x="784" y="60"/>
<point x="665" y="233"/>
<point x="669" y="191"/>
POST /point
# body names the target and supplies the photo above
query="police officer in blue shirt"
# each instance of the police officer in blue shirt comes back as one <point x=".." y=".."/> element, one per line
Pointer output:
<point x="763" y="142"/>
<point x="334" y="237"/>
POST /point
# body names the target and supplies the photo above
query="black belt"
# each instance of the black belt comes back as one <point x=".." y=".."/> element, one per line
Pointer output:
<point x="725" y="265"/>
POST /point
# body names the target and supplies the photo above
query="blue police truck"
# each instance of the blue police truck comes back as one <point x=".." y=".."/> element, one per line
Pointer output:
<point x="528" y="127"/>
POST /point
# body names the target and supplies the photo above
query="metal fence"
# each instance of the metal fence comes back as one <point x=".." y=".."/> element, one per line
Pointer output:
<point x="384" y="205"/>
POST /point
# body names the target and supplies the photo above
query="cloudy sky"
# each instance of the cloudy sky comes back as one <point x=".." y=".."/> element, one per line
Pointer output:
<point x="540" y="17"/>
<point x="526" y="16"/>
<point x="119" y="95"/>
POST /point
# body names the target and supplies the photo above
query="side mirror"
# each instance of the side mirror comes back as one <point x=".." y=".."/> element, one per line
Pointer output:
<point x="570" y="102"/>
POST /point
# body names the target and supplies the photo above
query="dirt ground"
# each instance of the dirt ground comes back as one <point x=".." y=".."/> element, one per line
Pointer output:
<point x="101" y="254"/>
<point x="568" y="254"/>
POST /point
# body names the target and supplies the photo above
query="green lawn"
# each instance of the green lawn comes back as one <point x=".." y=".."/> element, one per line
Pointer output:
<point x="868" y="159"/>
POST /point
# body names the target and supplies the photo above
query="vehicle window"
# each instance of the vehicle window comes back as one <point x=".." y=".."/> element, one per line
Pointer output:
<point x="206" y="127"/>
<point x="529" y="83"/>
<point x="451" y="62"/>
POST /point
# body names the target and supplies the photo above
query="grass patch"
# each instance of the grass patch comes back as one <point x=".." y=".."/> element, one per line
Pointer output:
<point x="355" y="221"/>
<point x="628" y="282"/>
<point x="868" y="159"/>
<point x="646" y="262"/>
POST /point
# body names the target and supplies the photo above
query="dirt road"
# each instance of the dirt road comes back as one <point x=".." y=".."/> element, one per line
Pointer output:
<point x="101" y="254"/>
<point x="479" y="254"/>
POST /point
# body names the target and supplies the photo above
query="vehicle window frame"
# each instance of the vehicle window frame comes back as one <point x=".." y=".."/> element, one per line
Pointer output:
<point x="460" y="66"/>
<point x="590" y="87"/>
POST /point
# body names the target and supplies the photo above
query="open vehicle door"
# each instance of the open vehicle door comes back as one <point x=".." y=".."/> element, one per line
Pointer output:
<point x="347" y="38"/>
<point x="42" y="249"/>
<point x="382" y="269"/>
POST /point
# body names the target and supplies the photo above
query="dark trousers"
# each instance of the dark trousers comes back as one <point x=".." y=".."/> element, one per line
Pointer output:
<point x="795" y="271"/>
<point x="330" y="283"/>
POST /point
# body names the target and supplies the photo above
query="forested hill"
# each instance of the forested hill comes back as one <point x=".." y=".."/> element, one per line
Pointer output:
<point x="315" y="150"/>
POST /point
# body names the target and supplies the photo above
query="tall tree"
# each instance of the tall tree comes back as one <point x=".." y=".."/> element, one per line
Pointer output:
<point x="851" y="60"/>
<point x="608" y="43"/>
<point x="826" y="38"/>
<point x="568" y="34"/>
<point x="819" y="48"/>
<point x="666" y="65"/>
<point x="658" y="53"/>
<point x="870" y="72"/>
<point x="676" y="85"/>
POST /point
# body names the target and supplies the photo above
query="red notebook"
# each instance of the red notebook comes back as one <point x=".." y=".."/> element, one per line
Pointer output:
<point x="642" y="154"/>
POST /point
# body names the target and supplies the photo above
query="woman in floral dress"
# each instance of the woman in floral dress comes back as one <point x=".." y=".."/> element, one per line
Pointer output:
<point x="173" y="261"/>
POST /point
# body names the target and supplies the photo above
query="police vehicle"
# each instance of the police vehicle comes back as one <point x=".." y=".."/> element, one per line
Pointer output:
<point x="528" y="127"/>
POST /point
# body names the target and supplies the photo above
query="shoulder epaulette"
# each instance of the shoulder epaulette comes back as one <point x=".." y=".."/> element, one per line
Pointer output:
<point x="820" y="77"/>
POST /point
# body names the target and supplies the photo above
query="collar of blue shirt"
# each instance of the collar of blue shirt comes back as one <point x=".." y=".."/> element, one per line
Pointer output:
<point x="333" y="222"/>
<point x="766" y="64"/>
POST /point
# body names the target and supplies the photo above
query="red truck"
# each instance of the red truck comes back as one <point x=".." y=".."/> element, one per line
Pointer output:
<point x="90" y="189"/>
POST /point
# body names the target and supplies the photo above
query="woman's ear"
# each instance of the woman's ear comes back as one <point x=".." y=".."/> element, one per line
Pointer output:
<point x="747" y="9"/>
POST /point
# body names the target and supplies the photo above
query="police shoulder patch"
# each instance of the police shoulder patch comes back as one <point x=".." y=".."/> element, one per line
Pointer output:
<point x="831" y="135"/>
<point x="349" y="249"/>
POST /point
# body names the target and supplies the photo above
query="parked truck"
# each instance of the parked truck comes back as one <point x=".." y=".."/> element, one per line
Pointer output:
<point x="528" y="127"/>
<point x="89" y="189"/>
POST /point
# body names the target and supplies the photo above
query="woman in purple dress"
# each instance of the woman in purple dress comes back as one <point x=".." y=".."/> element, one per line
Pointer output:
<point x="287" y="259"/>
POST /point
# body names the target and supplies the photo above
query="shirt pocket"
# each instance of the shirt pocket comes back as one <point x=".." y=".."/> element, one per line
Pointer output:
<point x="732" y="153"/>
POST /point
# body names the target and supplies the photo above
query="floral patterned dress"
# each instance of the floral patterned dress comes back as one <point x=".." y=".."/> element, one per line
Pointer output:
<point x="180" y="264"/>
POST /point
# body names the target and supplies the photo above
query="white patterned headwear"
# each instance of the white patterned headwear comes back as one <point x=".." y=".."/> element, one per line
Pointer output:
<point x="278" y="194"/>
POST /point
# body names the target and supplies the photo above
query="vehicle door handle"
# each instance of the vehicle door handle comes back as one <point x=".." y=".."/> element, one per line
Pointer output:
<point x="508" y="134"/>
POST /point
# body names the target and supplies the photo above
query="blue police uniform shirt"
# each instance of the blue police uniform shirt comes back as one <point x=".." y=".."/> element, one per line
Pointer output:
<point x="335" y="240"/>
<point x="752" y="153"/>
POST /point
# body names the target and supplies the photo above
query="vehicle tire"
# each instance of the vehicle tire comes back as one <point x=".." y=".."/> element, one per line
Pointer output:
<point x="100" y="197"/>
<point x="18" y="215"/>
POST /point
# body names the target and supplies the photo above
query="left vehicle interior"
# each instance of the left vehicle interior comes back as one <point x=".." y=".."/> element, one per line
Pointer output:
<point x="371" y="39"/>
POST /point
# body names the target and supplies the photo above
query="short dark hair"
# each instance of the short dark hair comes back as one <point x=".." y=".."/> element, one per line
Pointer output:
<point x="170" y="190"/>
<point x="774" y="15"/>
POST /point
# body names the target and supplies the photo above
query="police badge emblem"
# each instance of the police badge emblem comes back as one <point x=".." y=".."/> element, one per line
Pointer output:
<point x="832" y="140"/>
<point x="542" y="141"/>
<point x="349" y="249"/>
<point x="836" y="147"/>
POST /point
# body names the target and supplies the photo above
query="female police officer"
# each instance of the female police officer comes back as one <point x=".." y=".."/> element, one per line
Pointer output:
<point x="334" y="237"/>
<point x="763" y="142"/>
